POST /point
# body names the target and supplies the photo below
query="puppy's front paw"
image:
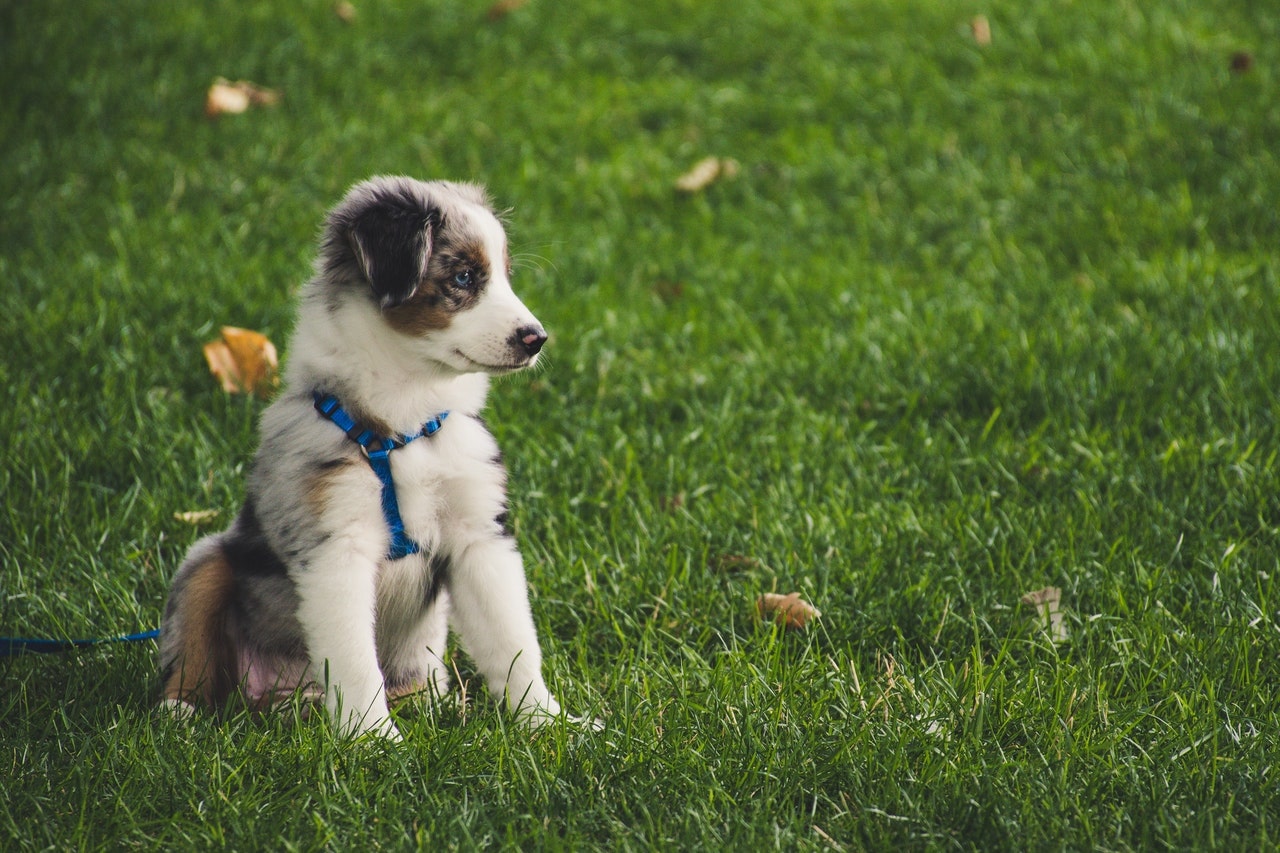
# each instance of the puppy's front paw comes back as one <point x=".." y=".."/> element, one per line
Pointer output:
<point x="372" y="724"/>
<point x="387" y="731"/>
<point x="383" y="729"/>
<point x="594" y="724"/>
<point x="537" y="717"/>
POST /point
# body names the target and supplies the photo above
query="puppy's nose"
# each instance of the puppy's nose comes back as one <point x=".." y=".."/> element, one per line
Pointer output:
<point x="531" y="339"/>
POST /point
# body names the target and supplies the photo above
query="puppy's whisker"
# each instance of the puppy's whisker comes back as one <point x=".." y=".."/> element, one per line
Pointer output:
<point x="528" y="260"/>
<point x="542" y="365"/>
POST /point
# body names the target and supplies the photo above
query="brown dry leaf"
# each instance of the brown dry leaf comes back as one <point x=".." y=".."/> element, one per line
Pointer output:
<point x="244" y="361"/>
<point x="981" y="29"/>
<point x="790" y="610"/>
<point x="227" y="97"/>
<point x="197" y="516"/>
<point x="705" y="172"/>
<point x="668" y="290"/>
<point x="502" y="8"/>
<point x="1241" y="61"/>
<point x="1047" y="605"/>
<point x="733" y="563"/>
<point x="345" y="12"/>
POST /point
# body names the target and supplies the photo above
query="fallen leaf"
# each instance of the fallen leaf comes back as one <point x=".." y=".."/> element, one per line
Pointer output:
<point x="706" y="172"/>
<point x="732" y="563"/>
<point x="502" y="8"/>
<point x="790" y="610"/>
<point x="981" y="29"/>
<point x="224" y="98"/>
<point x="668" y="290"/>
<point x="197" y="516"/>
<point x="345" y="12"/>
<point x="1047" y="605"/>
<point x="227" y="97"/>
<point x="244" y="361"/>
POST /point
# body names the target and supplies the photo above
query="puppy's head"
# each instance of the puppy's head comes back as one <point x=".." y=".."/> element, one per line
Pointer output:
<point x="432" y="260"/>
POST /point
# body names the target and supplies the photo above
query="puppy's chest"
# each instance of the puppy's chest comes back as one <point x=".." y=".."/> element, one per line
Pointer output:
<point x="448" y="489"/>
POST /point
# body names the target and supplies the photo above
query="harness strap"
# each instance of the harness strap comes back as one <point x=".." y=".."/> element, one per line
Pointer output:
<point x="377" y="449"/>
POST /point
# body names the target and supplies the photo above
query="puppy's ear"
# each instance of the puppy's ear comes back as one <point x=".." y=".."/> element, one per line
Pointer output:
<point x="392" y="245"/>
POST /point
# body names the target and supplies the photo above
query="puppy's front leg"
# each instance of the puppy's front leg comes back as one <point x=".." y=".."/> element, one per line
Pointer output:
<point x="490" y="601"/>
<point x="337" y="605"/>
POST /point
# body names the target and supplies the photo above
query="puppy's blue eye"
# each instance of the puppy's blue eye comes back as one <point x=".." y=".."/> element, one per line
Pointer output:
<point x="464" y="279"/>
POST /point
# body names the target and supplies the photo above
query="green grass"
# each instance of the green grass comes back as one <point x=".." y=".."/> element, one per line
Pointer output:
<point x="970" y="322"/>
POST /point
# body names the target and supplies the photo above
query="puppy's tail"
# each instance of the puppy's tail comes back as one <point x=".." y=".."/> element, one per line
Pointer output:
<point x="197" y="656"/>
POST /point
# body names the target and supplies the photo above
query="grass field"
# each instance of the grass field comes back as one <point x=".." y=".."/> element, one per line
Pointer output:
<point x="970" y="321"/>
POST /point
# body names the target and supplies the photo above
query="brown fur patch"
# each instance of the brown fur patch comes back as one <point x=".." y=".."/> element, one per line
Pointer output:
<point x="400" y="692"/>
<point x="465" y="254"/>
<point x="206" y="666"/>
<point x="316" y="489"/>
<point x="429" y="310"/>
<point x="439" y="297"/>
<point x="366" y="419"/>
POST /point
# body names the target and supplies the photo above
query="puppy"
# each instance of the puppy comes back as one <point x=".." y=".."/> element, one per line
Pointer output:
<point x="376" y="511"/>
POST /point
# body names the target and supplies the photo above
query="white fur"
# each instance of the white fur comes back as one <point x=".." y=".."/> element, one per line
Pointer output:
<point x="352" y="600"/>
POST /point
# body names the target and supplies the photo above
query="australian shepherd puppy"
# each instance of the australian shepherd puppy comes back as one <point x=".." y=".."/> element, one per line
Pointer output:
<point x="376" y="510"/>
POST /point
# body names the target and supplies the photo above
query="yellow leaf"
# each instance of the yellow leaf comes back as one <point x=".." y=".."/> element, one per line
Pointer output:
<point x="197" y="516"/>
<point x="345" y="12"/>
<point x="706" y="172"/>
<point x="981" y="29"/>
<point x="790" y="610"/>
<point x="227" y="97"/>
<point x="1046" y="603"/>
<point x="243" y="361"/>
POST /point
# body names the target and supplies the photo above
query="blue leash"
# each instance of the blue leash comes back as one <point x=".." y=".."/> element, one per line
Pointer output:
<point x="10" y="646"/>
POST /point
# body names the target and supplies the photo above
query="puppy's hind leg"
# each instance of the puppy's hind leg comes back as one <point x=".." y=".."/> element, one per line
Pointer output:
<point x="197" y="658"/>
<point x="415" y="663"/>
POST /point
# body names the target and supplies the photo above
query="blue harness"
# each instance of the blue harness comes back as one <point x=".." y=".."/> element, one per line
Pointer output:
<point x="377" y="449"/>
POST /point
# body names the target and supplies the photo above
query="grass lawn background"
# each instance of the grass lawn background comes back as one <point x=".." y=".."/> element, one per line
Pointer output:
<point x="970" y="321"/>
